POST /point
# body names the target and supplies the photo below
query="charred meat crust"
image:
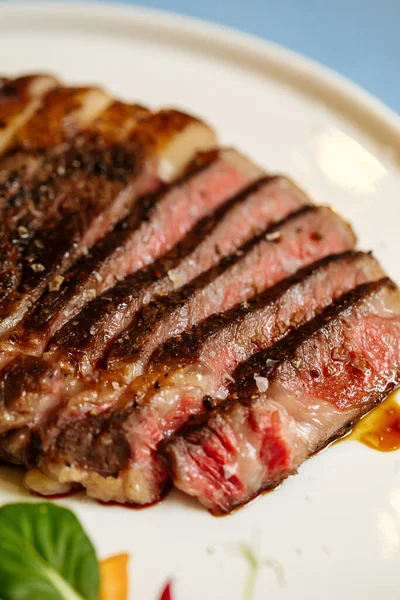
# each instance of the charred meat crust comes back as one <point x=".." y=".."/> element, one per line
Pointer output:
<point x="129" y="344"/>
<point x="186" y="347"/>
<point x="47" y="214"/>
<point x="141" y="212"/>
<point x="245" y="384"/>
<point x="264" y="362"/>
<point x="127" y="296"/>
<point x="47" y="313"/>
<point x="98" y="443"/>
<point x="87" y="213"/>
<point x="160" y="307"/>
<point x="29" y="390"/>
<point x="103" y="173"/>
<point x="260" y="435"/>
<point x="51" y="303"/>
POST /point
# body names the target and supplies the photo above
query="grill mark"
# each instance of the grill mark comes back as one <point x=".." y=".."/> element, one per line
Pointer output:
<point x="185" y="349"/>
<point x="132" y="406"/>
<point x="128" y="348"/>
<point x="45" y="317"/>
<point x="58" y="242"/>
<point x="245" y="385"/>
<point x="238" y="416"/>
<point x="44" y="171"/>
<point x="98" y="324"/>
<point x="114" y="255"/>
<point x="129" y="293"/>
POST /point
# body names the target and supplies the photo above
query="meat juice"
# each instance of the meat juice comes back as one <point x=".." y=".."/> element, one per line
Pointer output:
<point x="380" y="429"/>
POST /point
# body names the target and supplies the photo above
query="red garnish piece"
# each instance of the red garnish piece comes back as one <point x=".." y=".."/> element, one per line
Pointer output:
<point x="167" y="593"/>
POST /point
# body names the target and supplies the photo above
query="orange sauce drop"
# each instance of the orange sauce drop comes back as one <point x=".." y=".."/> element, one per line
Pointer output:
<point x="380" y="429"/>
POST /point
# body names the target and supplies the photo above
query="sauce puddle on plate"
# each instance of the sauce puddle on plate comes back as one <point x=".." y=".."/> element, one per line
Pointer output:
<point x="380" y="429"/>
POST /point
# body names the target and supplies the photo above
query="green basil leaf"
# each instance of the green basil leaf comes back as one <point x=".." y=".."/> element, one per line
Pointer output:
<point x="45" y="554"/>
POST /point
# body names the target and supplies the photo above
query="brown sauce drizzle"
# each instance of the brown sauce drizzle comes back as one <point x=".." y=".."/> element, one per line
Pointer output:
<point x="380" y="429"/>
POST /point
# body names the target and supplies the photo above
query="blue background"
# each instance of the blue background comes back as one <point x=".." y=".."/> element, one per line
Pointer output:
<point x="357" y="38"/>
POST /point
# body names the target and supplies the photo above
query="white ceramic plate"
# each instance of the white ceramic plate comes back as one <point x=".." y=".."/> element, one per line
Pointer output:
<point x="333" y="530"/>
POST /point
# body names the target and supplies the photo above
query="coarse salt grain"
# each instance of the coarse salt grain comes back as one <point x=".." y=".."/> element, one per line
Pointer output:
<point x="228" y="377"/>
<point x="55" y="284"/>
<point x="262" y="383"/>
<point x="37" y="267"/>
<point x="273" y="236"/>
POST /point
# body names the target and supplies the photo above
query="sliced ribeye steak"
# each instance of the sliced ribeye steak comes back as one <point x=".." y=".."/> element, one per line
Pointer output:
<point x="41" y="210"/>
<point x="99" y="180"/>
<point x="69" y="445"/>
<point x="305" y="236"/>
<point x="156" y="223"/>
<point x="160" y="220"/>
<point x="287" y="403"/>
<point x="19" y="100"/>
<point x="83" y="341"/>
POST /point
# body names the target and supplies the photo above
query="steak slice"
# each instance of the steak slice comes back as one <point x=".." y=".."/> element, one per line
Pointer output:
<point x="289" y="402"/>
<point x="156" y="223"/>
<point x="305" y="236"/>
<point x="83" y="341"/>
<point x="29" y="386"/>
<point x="60" y="171"/>
<point x="19" y="100"/>
<point x="201" y="361"/>
<point x="110" y="178"/>
<point x="60" y="114"/>
<point x="160" y="221"/>
<point x="138" y="417"/>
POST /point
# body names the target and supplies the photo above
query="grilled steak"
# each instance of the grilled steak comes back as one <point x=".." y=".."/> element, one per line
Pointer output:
<point x="168" y="310"/>
<point x="19" y="100"/>
<point x="106" y="180"/>
<point x="136" y="421"/>
<point x="263" y="261"/>
<point x="201" y="361"/>
<point x="84" y="339"/>
<point x="29" y="170"/>
<point x="31" y="159"/>
<point x="288" y="403"/>
<point x="155" y="224"/>
<point x="31" y="387"/>
<point x="66" y="171"/>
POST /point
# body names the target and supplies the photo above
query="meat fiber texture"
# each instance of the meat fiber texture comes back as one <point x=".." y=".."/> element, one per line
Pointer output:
<point x="155" y="224"/>
<point x="140" y="418"/>
<point x="163" y="302"/>
<point x="85" y="340"/>
<point x="167" y="219"/>
<point x="290" y="401"/>
<point x="93" y="183"/>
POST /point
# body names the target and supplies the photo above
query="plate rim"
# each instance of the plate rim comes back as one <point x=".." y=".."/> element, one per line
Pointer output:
<point x="367" y="112"/>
